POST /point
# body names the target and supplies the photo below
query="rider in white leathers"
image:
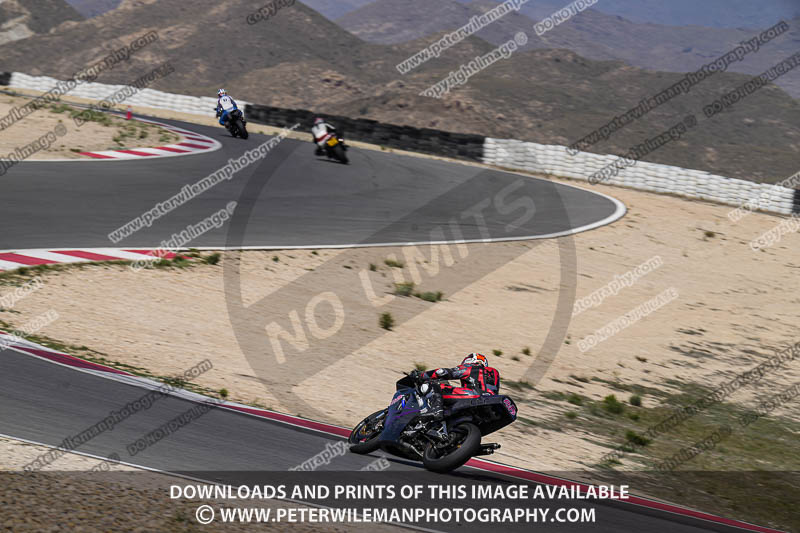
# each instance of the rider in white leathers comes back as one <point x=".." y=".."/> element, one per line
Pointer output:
<point x="321" y="131"/>
<point x="225" y="104"/>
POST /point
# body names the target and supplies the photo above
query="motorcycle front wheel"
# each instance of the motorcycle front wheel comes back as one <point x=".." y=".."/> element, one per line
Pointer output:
<point x="364" y="437"/>
<point x="465" y="444"/>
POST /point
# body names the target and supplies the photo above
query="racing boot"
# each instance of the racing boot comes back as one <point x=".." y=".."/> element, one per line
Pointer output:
<point x="434" y="410"/>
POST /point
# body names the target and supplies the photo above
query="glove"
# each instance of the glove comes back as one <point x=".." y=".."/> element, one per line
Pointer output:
<point x="415" y="375"/>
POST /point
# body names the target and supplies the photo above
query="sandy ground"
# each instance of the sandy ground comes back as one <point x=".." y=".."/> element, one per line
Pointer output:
<point x="76" y="493"/>
<point x="90" y="136"/>
<point x="734" y="306"/>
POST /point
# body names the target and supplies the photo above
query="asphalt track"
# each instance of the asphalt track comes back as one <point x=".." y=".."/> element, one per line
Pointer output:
<point x="379" y="198"/>
<point x="305" y="201"/>
<point x="44" y="402"/>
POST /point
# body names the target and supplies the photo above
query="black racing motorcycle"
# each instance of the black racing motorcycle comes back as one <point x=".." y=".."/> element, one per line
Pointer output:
<point x="236" y="124"/>
<point x="442" y="446"/>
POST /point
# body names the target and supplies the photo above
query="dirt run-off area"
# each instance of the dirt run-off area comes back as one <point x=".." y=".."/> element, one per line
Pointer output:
<point x="56" y="124"/>
<point x="727" y="309"/>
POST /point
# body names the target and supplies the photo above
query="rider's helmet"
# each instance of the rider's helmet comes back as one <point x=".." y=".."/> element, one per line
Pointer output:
<point x="475" y="359"/>
<point x="221" y="92"/>
<point x="318" y="120"/>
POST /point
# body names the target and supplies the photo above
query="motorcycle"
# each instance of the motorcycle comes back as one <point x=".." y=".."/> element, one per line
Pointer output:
<point x="236" y="124"/>
<point x="442" y="446"/>
<point x="334" y="148"/>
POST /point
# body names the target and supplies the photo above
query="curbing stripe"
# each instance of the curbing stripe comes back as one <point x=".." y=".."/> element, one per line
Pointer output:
<point x="13" y="259"/>
<point x="149" y="253"/>
<point x="96" y="155"/>
<point x="190" y="145"/>
<point x="88" y="256"/>
<point x="200" y="143"/>
<point x="47" y="255"/>
<point x="24" y="259"/>
<point x="8" y="265"/>
<point x="170" y="149"/>
<point x="136" y="152"/>
<point x="64" y="359"/>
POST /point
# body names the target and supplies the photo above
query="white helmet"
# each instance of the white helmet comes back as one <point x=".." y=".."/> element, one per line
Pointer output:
<point x="221" y="92"/>
<point x="475" y="359"/>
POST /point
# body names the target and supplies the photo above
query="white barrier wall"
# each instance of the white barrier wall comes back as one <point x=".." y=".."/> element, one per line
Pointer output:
<point x="553" y="159"/>
<point x="196" y="105"/>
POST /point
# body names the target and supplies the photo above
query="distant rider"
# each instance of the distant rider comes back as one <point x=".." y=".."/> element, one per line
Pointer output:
<point x="225" y="105"/>
<point x="321" y="130"/>
<point x="477" y="379"/>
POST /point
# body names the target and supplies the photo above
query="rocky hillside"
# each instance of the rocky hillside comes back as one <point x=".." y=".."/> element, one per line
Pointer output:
<point x="591" y="34"/>
<point x="23" y="18"/>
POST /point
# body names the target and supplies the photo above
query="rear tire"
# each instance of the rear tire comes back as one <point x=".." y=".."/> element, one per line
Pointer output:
<point x="237" y="129"/>
<point x="338" y="153"/>
<point x="468" y="447"/>
<point x="364" y="439"/>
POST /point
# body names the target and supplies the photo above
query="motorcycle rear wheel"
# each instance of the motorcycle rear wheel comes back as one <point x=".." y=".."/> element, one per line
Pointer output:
<point x="364" y="437"/>
<point x="467" y="445"/>
<point x="237" y="128"/>
<point x="338" y="153"/>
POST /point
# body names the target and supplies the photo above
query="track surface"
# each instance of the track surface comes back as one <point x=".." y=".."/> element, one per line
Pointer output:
<point x="45" y="403"/>
<point x="308" y="200"/>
